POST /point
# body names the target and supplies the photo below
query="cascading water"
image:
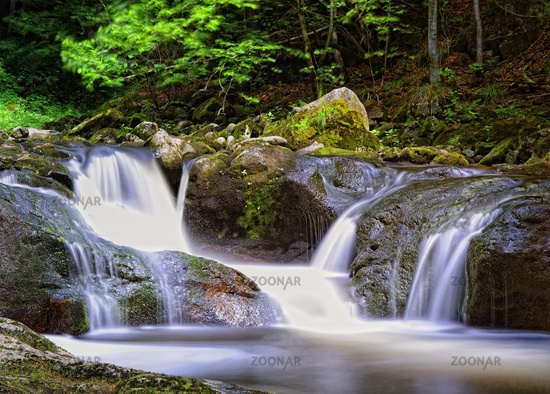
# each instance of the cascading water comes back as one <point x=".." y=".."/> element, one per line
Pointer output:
<point x="130" y="200"/>
<point x="102" y="307"/>
<point x="436" y="293"/>
<point x="401" y="352"/>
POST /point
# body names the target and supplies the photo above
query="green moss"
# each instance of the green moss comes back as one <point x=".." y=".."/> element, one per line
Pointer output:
<point x="195" y="296"/>
<point x="333" y="124"/>
<point x="141" y="306"/>
<point x="420" y="155"/>
<point x="77" y="311"/>
<point x="499" y="152"/>
<point x="451" y="159"/>
<point x="196" y="267"/>
<point x="261" y="210"/>
<point x="26" y="335"/>
<point x="39" y="376"/>
<point x="329" y="151"/>
<point x="534" y="167"/>
<point x="155" y="383"/>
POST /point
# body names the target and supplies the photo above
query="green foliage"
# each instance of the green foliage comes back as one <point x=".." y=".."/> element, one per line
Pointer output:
<point x="383" y="18"/>
<point x="491" y="94"/>
<point x="511" y="110"/>
<point x="31" y="52"/>
<point x="162" y="42"/>
<point x="31" y="111"/>
<point x="261" y="210"/>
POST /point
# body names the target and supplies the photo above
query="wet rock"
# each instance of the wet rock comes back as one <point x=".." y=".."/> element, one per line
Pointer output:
<point x="388" y="237"/>
<point x="169" y="152"/>
<point x="509" y="270"/>
<point x="24" y="355"/>
<point x="38" y="284"/>
<point x="259" y="201"/>
<point x="34" y="263"/>
<point x="223" y="296"/>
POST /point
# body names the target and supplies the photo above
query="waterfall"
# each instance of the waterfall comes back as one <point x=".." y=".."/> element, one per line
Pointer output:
<point x="337" y="249"/>
<point x="438" y="285"/>
<point x="130" y="202"/>
<point x="95" y="275"/>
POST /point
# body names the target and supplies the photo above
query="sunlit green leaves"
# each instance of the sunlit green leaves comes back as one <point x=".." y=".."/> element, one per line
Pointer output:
<point x="169" y="42"/>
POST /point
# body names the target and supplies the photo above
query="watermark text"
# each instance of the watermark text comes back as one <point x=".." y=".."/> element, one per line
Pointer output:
<point x="283" y="281"/>
<point x="276" y="361"/>
<point x="83" y="202"/>
<point x="478" y="361"/>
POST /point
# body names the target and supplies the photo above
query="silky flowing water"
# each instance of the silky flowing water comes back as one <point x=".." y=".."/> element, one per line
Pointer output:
<point x="321" y="346"/>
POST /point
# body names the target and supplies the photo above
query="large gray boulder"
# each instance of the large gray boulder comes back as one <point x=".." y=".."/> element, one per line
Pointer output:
<point x="262" y="201"/>
<point x="509" y="270"/>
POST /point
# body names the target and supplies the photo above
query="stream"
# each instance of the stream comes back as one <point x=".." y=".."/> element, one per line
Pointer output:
<point x="320" y="345"/>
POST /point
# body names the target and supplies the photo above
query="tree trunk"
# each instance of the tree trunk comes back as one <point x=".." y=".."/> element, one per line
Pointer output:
<point x="12" y="10"/>
<point x="479" y="33"/>
<point x="307" y="45"/>
<point x="432" y="42"/>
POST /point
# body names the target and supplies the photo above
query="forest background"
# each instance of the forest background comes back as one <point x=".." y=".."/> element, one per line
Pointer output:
<point x="67" y="57"/>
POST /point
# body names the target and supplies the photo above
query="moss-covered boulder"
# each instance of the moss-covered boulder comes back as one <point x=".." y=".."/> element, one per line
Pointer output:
<point x="251" y="128"/>
<point x="145" y="130"/>
<point x="49" y="150"/>
<point x="31" y="363"/>
<point x="333" y="124"/>
<point x="86" y="129"/>
<point x="509" y="270"/>
<point x="451" y="159"/>
<point x="106" y="136"/>
<point x="42" y="166"/>
<point x="259" y="201"/>
<point x="44" y="283"/>
<point x="420" y="155"/>
<point x="220" y="295"/>
<point x="346" y="95"/>
<point x="533" y="167"/>
<point x="337" y="152"/>
<point x="34" y="265"/>
<point x="209" y="110"/>
<point x="511" y="141"/>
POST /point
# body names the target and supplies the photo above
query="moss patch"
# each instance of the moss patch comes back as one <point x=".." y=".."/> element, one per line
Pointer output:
<point x="451" y="159"/>
<point x="333" y="124"/>
<point x="261" y="211"/>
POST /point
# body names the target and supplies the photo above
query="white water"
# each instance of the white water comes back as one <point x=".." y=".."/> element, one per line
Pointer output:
<point x="336" y="351"/>
<point x="94" y="279"/>
<point x="131" y="202"/>
<point x="440" y="272"/>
